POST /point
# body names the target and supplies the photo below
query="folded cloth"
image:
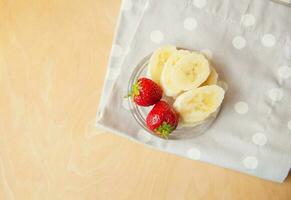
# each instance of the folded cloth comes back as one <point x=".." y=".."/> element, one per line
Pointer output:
<point x="249" y="43"/>
<point x="129" y="17"/>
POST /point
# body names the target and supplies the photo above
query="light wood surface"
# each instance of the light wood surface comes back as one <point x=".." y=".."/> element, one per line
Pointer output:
<point x="53" y="57"/>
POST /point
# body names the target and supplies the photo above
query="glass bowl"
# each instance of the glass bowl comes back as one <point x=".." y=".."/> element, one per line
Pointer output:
<point x="139" y="113"/>
<point x="283" y="2"/>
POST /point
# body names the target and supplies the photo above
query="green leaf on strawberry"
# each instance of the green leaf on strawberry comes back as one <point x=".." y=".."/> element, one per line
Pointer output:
<point x="145" y="92"/>
<point x="162" y="119"/>
<point x="164" y="130"/>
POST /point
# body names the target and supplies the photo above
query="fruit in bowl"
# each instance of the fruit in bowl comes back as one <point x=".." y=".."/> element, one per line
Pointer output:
<point x="182" y="86"/>
<point x="146" y="92"/>
<point x="162" y="119"/>
<point x="196" y="105"/>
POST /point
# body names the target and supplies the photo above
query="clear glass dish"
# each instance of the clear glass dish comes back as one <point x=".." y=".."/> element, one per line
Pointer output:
<point x="139" y="113"/>
<point x="283" y="2"/>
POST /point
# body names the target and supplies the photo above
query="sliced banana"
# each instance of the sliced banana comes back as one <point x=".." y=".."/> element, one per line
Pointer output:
<point x="157" y="62"/>
<point x="167" y="84"/>
<point x="197" y="104"/>
<point x="186" y="125"/>
<point x="212" y="78"/>
<point x="190" y="71"/>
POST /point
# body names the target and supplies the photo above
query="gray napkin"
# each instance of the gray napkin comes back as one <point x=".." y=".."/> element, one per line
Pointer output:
<point x="250" y="44"/>
<point x="129" y="17"/>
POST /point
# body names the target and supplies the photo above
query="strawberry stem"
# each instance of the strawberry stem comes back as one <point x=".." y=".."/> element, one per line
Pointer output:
<point x="164" y="130"/>
<point x="134" y="91"/>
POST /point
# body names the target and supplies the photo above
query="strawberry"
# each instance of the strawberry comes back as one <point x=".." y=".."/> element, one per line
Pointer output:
<point x="146" y="92"/>
<point x="162" y="119"/>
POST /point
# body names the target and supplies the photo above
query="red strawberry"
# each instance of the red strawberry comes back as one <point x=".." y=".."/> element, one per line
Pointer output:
<point x="162" y="119"/>
<point x="146" y="92"/>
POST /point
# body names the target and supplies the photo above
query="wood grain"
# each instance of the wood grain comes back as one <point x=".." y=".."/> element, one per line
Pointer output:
<point x="53" y="57"/>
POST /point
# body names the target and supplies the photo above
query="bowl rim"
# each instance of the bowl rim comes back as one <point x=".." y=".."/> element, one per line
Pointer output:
<point x="136" y="112"/>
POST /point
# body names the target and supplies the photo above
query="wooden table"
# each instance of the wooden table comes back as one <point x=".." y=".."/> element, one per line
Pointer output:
<point x="53" y="57"/>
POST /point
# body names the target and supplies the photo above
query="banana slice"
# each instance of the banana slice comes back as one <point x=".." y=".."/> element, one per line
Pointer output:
<point x="167" y="84"/>
<point x="186" y="125"/>
<point x="212" y="78"/>
<point x="197" y="104"/>
<point x="190" y="71"/>
<point x="157" y="62"/>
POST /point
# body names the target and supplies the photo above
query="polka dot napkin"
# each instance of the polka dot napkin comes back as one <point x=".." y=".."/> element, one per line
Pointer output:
<point x="250" y="44"/>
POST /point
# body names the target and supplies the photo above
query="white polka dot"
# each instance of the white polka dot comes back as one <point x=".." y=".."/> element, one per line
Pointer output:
<point x="275" y="94"/>
<point x="117" y="50"/>
<point x="284" y="72"/>
<point x="268" y="40"/>
<point x="112" y="74"/>
<point x="239" y="42"/>
<point x="127" y="5"/>
<point x="207" y="53"/>
<point x="250" y="162"/>
<point x="190" y="23"/>
<point x="125" y="103"/>
<point x="144" y="136"/>
<point x="248" y="20"/>
<point x="194" y="153"/>
<point x="157" y="36"/>
<point x="259" y="139"/>
<point x="241" y="107"/>
<point x="289" y="125"/>
<point x="200" y="3"/>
